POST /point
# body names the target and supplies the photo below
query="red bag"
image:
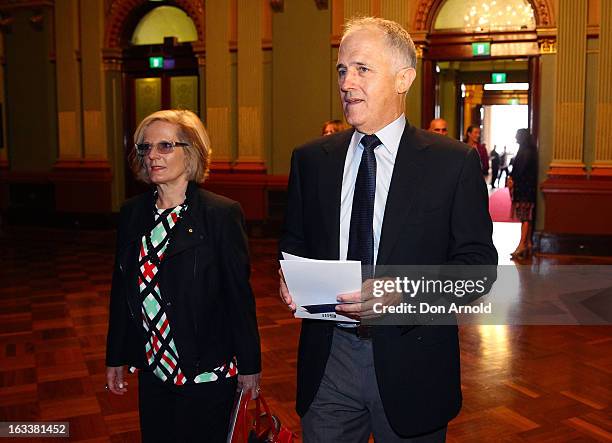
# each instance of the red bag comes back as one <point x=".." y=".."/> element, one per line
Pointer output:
<point x="260" y="427"/>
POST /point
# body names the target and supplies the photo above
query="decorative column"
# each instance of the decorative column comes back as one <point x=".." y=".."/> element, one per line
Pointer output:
<point x="113" y="81"/>
<point x="568" y="139"/>
<point x="250" y="88"/>
<point x="3" y="140"/>
<point x="218" y="86"/>
<point x="4" y="164"/>
<point x="92" y="20"/>
<point x="602" y="166"/>
<point x="68" y="80"/>
<point x="396" y="10"/>
<point x="82" y="174"/>
<point x="355" y="8"/>
<point x="399" y="11"/>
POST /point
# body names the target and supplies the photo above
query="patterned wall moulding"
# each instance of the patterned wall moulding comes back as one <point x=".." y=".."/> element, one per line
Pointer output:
<point x="118" y="13"/>
<point x="184" y="93"/>
<point x="148" y="96"/>
<point x="547" y="46"/>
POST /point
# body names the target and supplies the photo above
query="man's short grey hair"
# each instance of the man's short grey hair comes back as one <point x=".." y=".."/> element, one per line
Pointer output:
<point x="398" y="39"/>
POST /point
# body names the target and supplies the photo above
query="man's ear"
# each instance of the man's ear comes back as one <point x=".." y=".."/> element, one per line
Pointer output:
<point x="404" y="79"/>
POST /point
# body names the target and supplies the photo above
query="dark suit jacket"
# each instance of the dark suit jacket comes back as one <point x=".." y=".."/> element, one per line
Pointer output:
<point x="204" y="281"/>
<point x="430" y="219"/>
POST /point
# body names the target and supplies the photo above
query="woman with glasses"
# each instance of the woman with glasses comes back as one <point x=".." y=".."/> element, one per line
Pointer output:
<point x="182" y="313"/>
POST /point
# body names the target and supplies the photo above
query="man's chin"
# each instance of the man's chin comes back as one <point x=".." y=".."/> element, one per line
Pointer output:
<point x="353" y="121"/>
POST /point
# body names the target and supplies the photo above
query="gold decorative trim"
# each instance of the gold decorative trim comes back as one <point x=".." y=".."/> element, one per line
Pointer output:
<point x="547" y="46"/>
<point x="420" y="48"/>
<point x="111" y="59"/>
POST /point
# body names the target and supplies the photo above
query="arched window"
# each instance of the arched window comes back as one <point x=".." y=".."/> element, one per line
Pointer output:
<point x="485" y="15"/>
<point x="164" y="21"/>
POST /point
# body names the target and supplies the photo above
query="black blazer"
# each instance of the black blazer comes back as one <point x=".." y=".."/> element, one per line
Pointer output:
<point x="204" y="281"/>
<point x="430" y="218"/>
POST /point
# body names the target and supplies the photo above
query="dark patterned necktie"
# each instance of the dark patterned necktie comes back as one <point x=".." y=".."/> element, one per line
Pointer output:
<point x="361" y="233"/>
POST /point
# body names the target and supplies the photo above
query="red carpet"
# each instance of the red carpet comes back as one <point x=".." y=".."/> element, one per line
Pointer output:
<point x="500" y="206"/>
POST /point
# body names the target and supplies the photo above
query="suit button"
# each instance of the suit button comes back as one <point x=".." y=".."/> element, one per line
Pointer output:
<point x="190" y="230"/>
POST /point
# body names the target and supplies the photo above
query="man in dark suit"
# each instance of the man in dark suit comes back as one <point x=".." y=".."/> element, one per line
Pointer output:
<point x="375" y="194"/>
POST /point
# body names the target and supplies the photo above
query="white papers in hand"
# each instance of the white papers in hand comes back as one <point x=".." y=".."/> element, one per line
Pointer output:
<point x="315" y="284"/>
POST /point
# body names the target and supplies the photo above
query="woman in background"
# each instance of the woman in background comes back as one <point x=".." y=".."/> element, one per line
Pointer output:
<point x="182" y="311"/>
<point x="523" y="182"/>
<point x="472" y="139"/>
<point x="331" y="126"/>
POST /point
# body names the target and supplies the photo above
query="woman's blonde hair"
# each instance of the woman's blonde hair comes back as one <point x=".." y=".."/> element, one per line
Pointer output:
<point x="190" y="129"/>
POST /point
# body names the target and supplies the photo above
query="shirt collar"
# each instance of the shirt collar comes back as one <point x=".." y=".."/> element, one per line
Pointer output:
<point x="389" y="136"/>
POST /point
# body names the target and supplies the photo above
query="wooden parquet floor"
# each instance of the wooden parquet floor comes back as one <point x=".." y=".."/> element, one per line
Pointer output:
<point x="521" y="384"/>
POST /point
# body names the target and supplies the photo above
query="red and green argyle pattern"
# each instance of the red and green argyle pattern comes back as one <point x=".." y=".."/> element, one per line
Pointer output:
<point x="160" y="349"/>
<point x="162" y="355"/>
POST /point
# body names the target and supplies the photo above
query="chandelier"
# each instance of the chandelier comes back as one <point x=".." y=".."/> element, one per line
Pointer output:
<point x="497" y="15"/>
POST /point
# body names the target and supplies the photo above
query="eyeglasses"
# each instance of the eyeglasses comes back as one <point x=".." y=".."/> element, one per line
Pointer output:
<point x="143" y="149"/>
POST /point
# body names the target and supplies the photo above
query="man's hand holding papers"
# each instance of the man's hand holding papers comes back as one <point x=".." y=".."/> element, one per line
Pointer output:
<point x="359" y="305"/>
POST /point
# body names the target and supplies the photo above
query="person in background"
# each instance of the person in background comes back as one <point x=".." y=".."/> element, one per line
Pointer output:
<point x="472" y="139"/>
<point x="504" y="165"/>
<point x="523" y="182"/>
<point x="495" y="163"/>
<point x="439" y="126"/>
<point x="332" y="126"/>
<point x="182" y="311"/>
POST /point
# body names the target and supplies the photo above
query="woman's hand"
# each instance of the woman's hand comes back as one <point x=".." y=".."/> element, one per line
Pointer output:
<point x="114" y="380"/>
<point x="250" y="383"/>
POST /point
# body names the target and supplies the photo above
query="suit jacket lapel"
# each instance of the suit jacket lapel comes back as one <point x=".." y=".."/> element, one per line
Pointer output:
<point x="330" y="189"/>
<point x="189" y="231"/>
<point x="407" y="174"/>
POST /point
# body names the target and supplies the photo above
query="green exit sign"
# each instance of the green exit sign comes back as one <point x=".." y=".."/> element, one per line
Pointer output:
<point x="498" y="77"/>
<point x="481" y="49"/>
<point x="156" y="62"/>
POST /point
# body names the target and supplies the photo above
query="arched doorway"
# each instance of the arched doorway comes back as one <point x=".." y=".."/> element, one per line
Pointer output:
<point x="504" y="31"/>
<point x="158" y="50"/>
<point x="469" y="46"/>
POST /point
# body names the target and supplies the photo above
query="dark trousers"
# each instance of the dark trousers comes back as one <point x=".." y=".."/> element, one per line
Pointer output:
<point x="348" y="407"/>
<point x="189" y="413"/>
<point x="494" y="174"/>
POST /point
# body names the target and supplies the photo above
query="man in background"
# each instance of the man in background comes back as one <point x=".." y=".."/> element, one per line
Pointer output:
<point x="439" y="126"/>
